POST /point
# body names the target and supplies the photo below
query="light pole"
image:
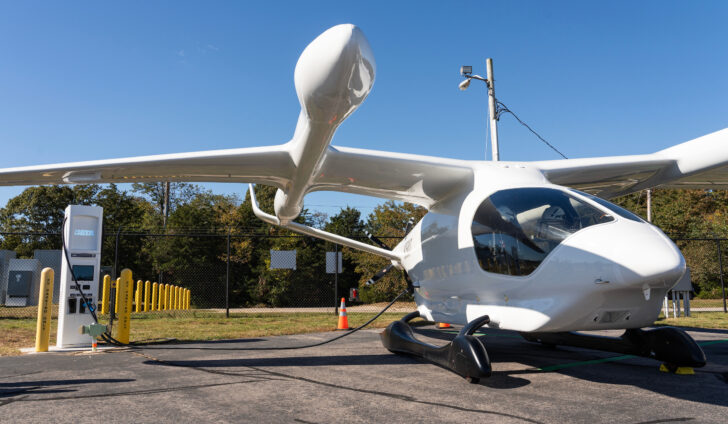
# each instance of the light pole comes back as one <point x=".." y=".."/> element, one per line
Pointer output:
<point x="467" y="72"/>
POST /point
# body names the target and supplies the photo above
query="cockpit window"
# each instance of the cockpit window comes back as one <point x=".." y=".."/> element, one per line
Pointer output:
<point x="624" y="213"/>
<point x="515" y="229"/>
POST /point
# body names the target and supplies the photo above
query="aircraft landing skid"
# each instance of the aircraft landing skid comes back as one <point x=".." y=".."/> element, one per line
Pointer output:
<point x="670" y="345"/>
<point x="465" y="355"/>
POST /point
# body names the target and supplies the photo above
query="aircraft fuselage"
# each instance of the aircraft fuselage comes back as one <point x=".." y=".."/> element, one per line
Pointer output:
<point x="535" y="256"/>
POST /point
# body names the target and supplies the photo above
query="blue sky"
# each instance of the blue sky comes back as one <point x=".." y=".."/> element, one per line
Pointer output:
<point x="95" y="80"/>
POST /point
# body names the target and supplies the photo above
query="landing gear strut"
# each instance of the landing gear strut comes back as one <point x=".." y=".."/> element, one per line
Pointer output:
<point x="465" y="355"/>
<point x="670" y="345"/>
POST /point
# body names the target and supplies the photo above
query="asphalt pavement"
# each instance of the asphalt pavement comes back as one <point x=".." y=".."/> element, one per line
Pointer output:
<point x="356" y="380"/>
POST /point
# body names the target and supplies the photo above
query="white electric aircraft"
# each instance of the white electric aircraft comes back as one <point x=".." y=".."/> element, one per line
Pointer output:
<point x="512" y="245"/>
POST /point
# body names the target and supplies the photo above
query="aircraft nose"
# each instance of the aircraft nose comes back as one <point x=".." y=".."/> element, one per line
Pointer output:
<point x="635" y="255"/>
<point x="648" y="257"/>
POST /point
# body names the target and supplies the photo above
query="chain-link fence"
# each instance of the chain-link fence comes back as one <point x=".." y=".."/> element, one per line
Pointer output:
<point x="236" y="272"/>
<point x="225" y="271"/>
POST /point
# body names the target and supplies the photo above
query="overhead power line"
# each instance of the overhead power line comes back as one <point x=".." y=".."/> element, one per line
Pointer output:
<point x="502" y="108"/>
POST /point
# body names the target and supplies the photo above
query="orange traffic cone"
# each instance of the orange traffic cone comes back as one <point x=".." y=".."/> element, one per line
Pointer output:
<point x="343" y="319"/>
<point x="442" y="325"/>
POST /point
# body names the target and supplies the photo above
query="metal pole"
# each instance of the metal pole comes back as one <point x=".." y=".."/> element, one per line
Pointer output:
<point x="491" y="109"/>
<point x="227" y="278"/>
<point x="720" y="265"/>
<point x="165" y="207"/>
<point x="336" y="279"/>
<point x="116" y="253"/>
<point x="649" y="205"/>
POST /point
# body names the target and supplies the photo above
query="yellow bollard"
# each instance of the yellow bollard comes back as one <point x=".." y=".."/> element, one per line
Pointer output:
<point x="176" y="297"/>
<point x="147" y="294"/>
<point x="45" y="302"/>
<point x="130" y="302"/>
<point x="170" y="299"/>
<point x="116" y="301"/>
<point x="179" y="300"/>
<point x="189" y="298"/>
<point x="186" y="300"/>
<point x="162" y="293"/>
<point x="123" y="293"/>
<point x="105" y="294"/>
<point x="138" y="297"/>
<point x="155" y="293"/>
<point x="167" y="292"/>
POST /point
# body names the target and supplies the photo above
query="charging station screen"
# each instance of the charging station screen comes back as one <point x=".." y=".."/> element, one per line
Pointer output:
<point x="84" y="272"/>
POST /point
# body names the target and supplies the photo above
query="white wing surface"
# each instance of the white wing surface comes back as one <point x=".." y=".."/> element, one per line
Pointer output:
<point x="266" y="165"/>
<point x="699" y="163"/>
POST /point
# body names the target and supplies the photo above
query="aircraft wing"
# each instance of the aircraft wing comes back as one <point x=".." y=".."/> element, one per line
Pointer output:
<point x="413" y="178"/>
<point x="423" y="180"/>
<point x="699" y="163"/>
<point x="267" y="165"/>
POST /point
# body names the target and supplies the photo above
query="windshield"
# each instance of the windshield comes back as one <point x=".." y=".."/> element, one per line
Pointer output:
<point x="624" y="213"/>
<point x="514" y="230"/>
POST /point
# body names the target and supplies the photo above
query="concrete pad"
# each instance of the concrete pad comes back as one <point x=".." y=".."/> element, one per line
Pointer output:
<point x="356" y="380"/>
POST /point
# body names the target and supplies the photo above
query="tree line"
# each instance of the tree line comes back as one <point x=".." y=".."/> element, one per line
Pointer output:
<point x="190" y="247"/>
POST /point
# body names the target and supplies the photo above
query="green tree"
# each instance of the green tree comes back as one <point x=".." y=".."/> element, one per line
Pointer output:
<point x="387" y="220"/>
<point x="40" y="210"/>
<point x="686" y="214"/>
<point x="346" y="223"/>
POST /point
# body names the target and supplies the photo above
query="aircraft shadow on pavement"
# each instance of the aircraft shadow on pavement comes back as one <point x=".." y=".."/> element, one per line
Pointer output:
<point x="708" y="385"/>
<point x="45" y="386"/>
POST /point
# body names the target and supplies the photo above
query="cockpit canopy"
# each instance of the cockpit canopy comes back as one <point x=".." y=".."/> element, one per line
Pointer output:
<point x="515" y="229"/>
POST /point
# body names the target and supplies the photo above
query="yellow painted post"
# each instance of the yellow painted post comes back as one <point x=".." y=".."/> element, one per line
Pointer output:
<point x="189" y="298"/>
<point x="155" y="295"/>
<point x="105" y="294"/>
<point x="138" y="297"/>
<point x="175" y="290"/>
<point x="162" y="293"/>
<point x="176" y="297"/>
<point x="130" y="301"/>
<point x="45" y="302"/>
<point x="123" y="293"/>
<point x="167" y="292"/>
<point x="147" y="294"/>
<point x="179" y="298"/>
<point x="116" y="301"/>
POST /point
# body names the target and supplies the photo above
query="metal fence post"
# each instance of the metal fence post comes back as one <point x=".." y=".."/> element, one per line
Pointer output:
<point x="116" y="253"/>
<point x="720" y="265"/>
<point x="336" y="279"/>
<point x="227" y="278"/>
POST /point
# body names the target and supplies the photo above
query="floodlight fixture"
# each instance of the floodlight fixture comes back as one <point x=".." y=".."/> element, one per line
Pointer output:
<point x="465" y="70"/>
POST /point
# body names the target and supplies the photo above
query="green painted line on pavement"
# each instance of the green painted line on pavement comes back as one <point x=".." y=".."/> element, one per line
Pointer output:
<point x="576" y="364"/>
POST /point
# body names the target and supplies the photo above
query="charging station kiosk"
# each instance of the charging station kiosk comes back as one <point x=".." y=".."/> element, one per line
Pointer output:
<point x="82" y="238"/>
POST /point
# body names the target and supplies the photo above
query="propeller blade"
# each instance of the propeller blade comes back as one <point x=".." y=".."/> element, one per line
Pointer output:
<point x="377" y="241"/>
<point x="408" y="228"/>
<point x="379" y="274"/>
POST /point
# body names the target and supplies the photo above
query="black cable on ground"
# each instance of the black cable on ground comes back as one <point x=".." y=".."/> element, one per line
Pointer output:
<point x="313" y="344"/>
